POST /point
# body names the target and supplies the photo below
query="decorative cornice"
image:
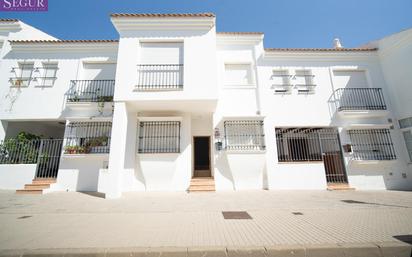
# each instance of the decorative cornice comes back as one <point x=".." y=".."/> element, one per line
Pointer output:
<point x="182" y="21"/>
<point x="320" y="49"/>
<point x="9" y="24"/>
<point x="239" y="38"/>
<point x="63" y="45"/>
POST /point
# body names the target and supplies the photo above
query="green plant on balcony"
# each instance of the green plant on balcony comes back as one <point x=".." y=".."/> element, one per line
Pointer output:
<point x="97" y="141"/>
<point x="76" y="149"/>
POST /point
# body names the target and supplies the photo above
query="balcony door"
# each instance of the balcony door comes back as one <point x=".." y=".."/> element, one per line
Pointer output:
<point x="201" y="157"/>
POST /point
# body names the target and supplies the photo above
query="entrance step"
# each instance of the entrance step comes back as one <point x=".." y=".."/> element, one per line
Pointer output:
<point x="37" y="186"/>
<point x="339" y="186"/>
<point x="206" y="184"/>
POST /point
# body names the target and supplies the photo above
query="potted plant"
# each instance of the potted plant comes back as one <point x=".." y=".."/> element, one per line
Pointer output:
<point x="69" y="149"/>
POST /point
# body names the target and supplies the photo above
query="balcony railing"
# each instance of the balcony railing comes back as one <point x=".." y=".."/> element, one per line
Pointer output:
<point x="90" y="91"/>
<point x="152" y="77"/>
<point x="354" y="99"/>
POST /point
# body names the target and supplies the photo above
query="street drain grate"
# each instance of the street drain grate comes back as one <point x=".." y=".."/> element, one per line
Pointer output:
<point x="23" y="217"/>
<point x="353" y="201"/>
<point x="297" y="213"/>
<point x="236" y="215"/>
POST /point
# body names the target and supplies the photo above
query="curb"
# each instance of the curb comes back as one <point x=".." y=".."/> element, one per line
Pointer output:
<point x="383" y="249"/>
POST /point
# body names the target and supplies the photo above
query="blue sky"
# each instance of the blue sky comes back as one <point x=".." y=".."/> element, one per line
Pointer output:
<point x="286" y="23"/>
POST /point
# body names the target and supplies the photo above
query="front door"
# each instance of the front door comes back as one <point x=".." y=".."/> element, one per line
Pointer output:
<point x="332" y="156"/>
<point x="201" y="157"/>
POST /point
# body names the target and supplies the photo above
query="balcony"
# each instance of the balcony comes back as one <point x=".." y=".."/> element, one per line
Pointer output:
<point x="359" y="101"/>
<point x="159" y="77"/>
<point x="87" y="91"/>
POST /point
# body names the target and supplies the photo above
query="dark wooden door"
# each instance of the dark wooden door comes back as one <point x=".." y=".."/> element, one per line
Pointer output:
<point x="202" y="157"/>
<point x="332" y="156"/>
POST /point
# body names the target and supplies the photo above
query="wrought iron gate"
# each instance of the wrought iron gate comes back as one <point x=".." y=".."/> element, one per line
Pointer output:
<point x="49" y="158"/>
<point x="332" y="155"/>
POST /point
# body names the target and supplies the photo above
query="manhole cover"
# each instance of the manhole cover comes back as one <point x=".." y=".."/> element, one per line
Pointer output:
<point x="23" y="217"/>
<point x="236" y="215"/>
<point x="353" y="201"/>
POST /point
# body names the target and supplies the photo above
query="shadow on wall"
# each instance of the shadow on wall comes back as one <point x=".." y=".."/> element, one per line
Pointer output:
<point x="222" y="165"/>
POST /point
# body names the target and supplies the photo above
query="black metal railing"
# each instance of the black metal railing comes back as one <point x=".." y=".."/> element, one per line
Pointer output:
<point x="371" y="144"/>
<point x="91" y="91"/>
<point x="359" y="99"/>
<point x="13" y="151"/>
<point x="159" y="137"/>
<point x="244" y="135"/>
<point x="49" y="158"/>
<point x="159" y="77"/>
<point x="87" y="137"/>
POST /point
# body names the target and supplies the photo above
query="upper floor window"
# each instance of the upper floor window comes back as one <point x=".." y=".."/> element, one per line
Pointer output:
<point x="349" y="79"/>
<point x="22" y="74"/>
<point x="405" y="123"/>
<point x="281" y="81"/>
<point x="304" y="81"/>
<point x="161" y="53"/>
<point x="238" y="75"/>
<point x="48" y="74"/>
<point x="161" y="66"/>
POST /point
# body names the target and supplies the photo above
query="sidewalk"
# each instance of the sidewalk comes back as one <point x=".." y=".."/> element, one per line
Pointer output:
<point x="180" y="224"/>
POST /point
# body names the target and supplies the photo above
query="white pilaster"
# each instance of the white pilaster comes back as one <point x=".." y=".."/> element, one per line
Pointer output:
<point x="122" y="148"/>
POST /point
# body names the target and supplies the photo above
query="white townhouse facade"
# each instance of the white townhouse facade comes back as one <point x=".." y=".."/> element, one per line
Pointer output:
<point x="173" y="105"/>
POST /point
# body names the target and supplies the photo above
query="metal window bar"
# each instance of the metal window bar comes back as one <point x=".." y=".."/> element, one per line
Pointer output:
<point x="159" y="77"/>
<point x="244" y="135"/>
<point x="359" y="99"/>
<point x="299" y="144"/>
<point x="22" y="75"/>
<point x="91" y="91"/>
<point x="159" y="137"/>
<point x="88" y="137"/>
<point x="46" y="75"/>
<point x="372" y="144"/>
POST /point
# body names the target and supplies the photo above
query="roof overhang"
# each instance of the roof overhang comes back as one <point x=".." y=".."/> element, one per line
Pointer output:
<point x="63" y="45"/>
<point x="319" y="53"/>
<point x="236" y="38"/>
<point x="156" y="22"/>
<point x="9" y="24"/>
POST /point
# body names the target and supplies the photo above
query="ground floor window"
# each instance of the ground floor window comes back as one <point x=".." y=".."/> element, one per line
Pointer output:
<point x="88" y="137"/>
<point x="244" y="135"/>
<point x="159" y="137"/>
<point x="299" y="144"/>
<point x="372" y="144"/>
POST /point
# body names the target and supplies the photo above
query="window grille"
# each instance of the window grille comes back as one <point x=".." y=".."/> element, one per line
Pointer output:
<point x="281" y="81"/>
<point x="159" y="137"/>
<point x="372" y="144"/>
<point x="304" y="81"/>
<point x="88" y="137"/>
<point x="47" y="74"/>
<point x="299" y="144"/>
<point x="159" y="77"/>
<point x="244" y="135"/>
<point x="22" y="74"/>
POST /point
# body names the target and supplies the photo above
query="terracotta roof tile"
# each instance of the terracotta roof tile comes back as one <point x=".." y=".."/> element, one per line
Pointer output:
<point x="320" y="49"/>
<point x="162" y="15"/>
<point x="9" y="20"/>
<point x="239" y="33"/>
<point x="62" y="41"/>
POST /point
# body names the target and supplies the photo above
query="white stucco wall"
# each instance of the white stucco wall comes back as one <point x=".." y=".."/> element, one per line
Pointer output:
<point x="15" y="176"/>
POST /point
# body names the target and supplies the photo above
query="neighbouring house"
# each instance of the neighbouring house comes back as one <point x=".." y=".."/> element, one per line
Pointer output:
<point x="173" y="105"/>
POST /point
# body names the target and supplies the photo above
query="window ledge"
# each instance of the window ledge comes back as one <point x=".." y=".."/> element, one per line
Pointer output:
<point x="245" y="151"/>
<point x="84" y="155"/>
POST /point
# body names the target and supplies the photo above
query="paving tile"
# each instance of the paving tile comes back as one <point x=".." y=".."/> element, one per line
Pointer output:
<point x="246" y="251"/>
<point x="395" y="249"/>
<point x="207" y="252"/>
<point x="325" y="250"/>
<point x="285" y="251"/>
